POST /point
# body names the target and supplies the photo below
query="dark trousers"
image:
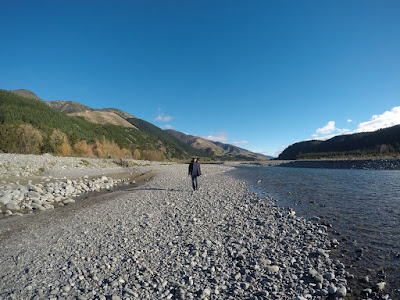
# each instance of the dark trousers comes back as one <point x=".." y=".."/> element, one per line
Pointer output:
<point x="194" y="182"/>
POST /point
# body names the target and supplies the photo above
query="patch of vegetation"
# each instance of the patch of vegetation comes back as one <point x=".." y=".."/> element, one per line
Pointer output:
<point x="85" y="162"/>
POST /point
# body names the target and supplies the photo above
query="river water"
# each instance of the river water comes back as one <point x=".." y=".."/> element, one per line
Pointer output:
<point x="363" y="207"/>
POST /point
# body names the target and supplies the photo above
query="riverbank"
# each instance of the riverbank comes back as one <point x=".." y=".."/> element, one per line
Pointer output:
<point x="161" y="240"/>
<point x="32" y="183"/>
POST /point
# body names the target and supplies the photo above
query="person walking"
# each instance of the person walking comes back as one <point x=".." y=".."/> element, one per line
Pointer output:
<point x="194" y="171"/>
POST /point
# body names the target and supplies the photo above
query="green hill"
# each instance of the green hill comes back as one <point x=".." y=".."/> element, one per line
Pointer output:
<point x="382" y="142"/>
<point x="86" y="131"/>
<point x="15" y="110"/>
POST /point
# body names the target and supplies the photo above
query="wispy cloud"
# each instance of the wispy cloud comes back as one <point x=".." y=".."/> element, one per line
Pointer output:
<point x="163" y="118"/>
<point x="387" y="119"/>
<point x="167" y="127"/>
<point x="350" y="121"/>
<point x="240" y="143"/>
<point x="220" y="136"/>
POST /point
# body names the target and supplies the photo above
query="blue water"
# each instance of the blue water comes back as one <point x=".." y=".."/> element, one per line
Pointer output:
<point x="363" y="207"/>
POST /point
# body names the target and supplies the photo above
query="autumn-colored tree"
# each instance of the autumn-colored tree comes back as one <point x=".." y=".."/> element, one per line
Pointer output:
<point x="125" y="153"/>
<point x="98" y="149"/>
<point x="65" y="149"/>
<point x="29" y="139"/>
<point x="83" y="149"/>
<point x="153" y="155"/>
<point x="136" y="154"/>
<point x="56" y="140"/>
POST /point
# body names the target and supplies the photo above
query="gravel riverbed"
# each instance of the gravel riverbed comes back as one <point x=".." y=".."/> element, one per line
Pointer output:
<point x="32" y="183"/>
<point x="162" y="241"/>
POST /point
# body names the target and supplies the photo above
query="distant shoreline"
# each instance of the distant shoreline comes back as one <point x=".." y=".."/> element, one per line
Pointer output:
<point x="359" y="164"/>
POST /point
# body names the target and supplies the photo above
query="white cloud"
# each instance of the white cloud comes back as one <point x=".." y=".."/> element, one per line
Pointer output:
<point x="162" y="118"/>
<point x="329" y="131"/>
<point x="167" y="127"/>
<point x="387" y="119"/>
<point x="241" y="143"/>
<point x="220" y="136"/>
<point x="328" y="128"/>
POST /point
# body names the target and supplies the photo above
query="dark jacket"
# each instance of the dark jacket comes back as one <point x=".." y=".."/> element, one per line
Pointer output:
<point x="191" y="168"/>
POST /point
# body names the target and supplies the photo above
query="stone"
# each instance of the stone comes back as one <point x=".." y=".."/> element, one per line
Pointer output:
<point x="381" y="286"/>
<point x="365" y="279"/>
<point x="273" y="269"/>
<point x="316" y="276"/>
<point x="322" y="252"/>
<point x="69" y="190"/>
<point x="329" y="276"/>
<point x="48" y="206"/>
<point x="324" y="292"/>
<point x="332" y="289"/>
<point x="265" y="262"/>
<point x="37" y="189"/>
<point x="11" y="206"/>
<point x="341" y="292"/>
<point x="33" y="195"/>
<point x="66" y="288"/>
<point x="69" y="201"/>
<point x="205" y="294"/>
<point x="7" y="197"/>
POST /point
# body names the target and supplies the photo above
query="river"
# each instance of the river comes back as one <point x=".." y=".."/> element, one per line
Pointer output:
<point x="361" y="208"/>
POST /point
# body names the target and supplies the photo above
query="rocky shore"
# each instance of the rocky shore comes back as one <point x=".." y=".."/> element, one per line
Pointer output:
<point x="162" y="241"/>
<point x="42" y="182"/>
<point x="362" y="164"/>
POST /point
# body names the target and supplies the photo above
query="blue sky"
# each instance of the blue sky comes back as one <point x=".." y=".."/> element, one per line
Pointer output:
<point x="260" y="74"/>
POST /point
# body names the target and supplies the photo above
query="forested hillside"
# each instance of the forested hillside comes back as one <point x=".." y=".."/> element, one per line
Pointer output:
<point x="384" y="142"/>
<point x="30" y="126"/>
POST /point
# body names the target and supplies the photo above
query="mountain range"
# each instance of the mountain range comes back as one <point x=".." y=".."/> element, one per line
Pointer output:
<point x="79" y="122"/>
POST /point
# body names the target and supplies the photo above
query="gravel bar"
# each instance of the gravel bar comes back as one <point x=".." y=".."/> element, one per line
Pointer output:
<point x="162" y="241"/>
